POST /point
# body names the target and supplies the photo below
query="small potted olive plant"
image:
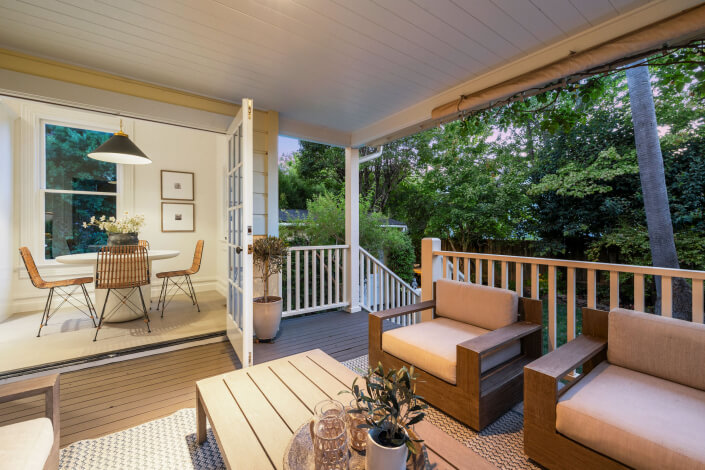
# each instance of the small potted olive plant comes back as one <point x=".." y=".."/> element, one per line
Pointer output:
<point x="268" y="255"/>
<point x="390" y="406"/>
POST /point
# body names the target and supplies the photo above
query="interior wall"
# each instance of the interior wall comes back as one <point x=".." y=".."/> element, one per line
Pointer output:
<point x="178" y="149"/>
<point x="7" y="245"/>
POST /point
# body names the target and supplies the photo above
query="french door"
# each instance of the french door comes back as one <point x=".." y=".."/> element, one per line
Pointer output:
<point x="239" y="307"/>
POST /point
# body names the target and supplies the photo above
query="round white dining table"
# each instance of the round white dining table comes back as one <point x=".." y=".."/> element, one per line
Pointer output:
<point x="114" y="311"/>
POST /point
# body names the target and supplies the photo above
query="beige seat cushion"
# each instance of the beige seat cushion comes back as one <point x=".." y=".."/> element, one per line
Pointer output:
<point x="431" y="346"/>
<point x="642" y="421"/>
<point x="484" y="306"/>
<point x="663" y="347"/>
<point x="26" y="445"/>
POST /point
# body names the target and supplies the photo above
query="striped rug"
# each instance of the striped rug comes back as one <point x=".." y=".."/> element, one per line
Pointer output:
<point x="170" y="443"/>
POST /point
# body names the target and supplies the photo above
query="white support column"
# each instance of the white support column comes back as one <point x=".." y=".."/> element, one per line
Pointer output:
<point x="431" y="270"/>
<point x="352" y="227"/>
<point x="275" y="284"/>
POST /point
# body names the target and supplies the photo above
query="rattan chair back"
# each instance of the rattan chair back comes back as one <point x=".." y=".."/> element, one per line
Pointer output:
<point x="143" y="243"/>
<point x="31" y="267"/>
<point x="122" y="267"/>
<point x="197" y="256"/>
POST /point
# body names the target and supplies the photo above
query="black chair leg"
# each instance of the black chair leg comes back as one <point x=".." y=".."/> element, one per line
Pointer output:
<point x="89" y="304"/>
<point x="193" y="293"/>
<point x="144" y="309"/>
<point x="51" y="297"/>
<point x="47" y="307"/>
<point x="102" y="314"/>
<point x="162" y="295"/>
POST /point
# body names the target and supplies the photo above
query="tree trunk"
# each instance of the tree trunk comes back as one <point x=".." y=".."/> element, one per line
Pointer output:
<point x="653" y="187"/>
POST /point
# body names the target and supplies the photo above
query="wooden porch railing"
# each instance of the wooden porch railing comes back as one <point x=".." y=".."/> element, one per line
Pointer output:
<point x="485" y="268"/>
<point x="315" y="279"/>
<point x="381" y="289"/>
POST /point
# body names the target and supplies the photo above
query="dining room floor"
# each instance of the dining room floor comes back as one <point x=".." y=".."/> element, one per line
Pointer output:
<point x="69" y="334"/>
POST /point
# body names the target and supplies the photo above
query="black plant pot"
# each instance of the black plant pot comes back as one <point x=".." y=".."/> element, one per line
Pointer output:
<point x="120" y="239"/>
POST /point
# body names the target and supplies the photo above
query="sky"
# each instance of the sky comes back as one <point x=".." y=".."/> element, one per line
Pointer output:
<point x="287" y="145"/>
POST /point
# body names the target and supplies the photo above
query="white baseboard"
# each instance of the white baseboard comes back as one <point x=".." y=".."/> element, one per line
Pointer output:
<point x="36" y="302"/>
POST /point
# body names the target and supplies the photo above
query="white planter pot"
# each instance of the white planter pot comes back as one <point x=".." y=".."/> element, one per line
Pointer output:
<point x="267" y="317"/>
<point x="379" y="457"/>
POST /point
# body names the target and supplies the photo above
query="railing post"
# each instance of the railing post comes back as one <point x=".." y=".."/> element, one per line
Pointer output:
<point x="431" y="270"/>
<point x="352" y="227"/>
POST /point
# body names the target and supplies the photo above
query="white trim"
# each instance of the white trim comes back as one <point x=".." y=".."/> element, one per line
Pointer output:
<point x="313" y="133"/>
<point x="418" y="116"/>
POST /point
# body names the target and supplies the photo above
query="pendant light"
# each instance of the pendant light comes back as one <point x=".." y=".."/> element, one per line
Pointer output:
<point x="120" y="149"/>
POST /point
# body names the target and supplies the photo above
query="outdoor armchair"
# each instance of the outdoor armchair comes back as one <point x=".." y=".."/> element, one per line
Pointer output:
<point x="638" y="403"/>
<point x="470" y="356"/>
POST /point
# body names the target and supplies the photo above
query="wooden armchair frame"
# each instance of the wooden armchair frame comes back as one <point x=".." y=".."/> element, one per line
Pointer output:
<point x="49" y="387"/>
<point x="477" y="399"/>
<point x="542" y="442"/>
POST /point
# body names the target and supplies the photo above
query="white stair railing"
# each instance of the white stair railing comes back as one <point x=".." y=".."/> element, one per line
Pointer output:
<point x="315" y="279"/>
<point x="481" y="268"/>
<point x="381" y="289"/>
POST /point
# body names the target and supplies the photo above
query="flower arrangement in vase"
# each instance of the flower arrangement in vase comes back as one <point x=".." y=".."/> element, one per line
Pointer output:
<point x="122" y="231"/>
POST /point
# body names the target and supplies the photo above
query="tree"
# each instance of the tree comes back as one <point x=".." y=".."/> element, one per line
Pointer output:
<point x="653" y="184"/>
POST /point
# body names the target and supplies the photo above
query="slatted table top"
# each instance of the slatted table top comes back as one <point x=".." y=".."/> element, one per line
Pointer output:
<point x="254" y="412"/>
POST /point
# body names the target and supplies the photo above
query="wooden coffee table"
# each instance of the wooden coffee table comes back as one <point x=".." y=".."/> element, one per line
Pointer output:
<point x="255" y="412"/>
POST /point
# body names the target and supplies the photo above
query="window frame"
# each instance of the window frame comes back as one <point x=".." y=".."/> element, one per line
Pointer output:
<point x="33" y="173"/>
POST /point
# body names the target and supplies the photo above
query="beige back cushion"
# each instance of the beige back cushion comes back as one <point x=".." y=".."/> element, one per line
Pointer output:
<point x="663" y="347"/>
<point x="484" y="306"/>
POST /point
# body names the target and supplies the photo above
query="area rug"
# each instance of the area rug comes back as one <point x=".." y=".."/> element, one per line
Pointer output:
<point x="169" y="443"/>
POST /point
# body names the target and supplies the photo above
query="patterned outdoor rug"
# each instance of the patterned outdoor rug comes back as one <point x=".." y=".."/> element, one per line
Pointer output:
<point x="170" y="443"/>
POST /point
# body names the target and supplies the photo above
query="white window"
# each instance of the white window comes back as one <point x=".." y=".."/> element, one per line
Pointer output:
<point x="75" y="188"/>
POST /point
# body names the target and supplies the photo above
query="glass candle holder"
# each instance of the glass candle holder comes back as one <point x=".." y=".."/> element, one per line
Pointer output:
<point x="330" y="443"/>
<point x="358" y="436"/>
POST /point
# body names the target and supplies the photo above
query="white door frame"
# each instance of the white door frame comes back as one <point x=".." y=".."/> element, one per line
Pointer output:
<point x="239" y="220"/>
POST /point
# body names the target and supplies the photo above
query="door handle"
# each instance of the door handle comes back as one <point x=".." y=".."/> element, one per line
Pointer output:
<point x="238" y="249"/>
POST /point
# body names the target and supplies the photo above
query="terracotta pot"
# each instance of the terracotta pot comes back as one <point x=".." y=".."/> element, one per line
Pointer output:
<point x="267" y="316"/>
<point x="119" y="239"/>
<point x="379" y="457"/>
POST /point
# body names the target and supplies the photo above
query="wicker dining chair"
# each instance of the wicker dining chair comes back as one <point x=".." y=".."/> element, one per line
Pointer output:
<point x="122" y="267"/>
<point x="58" y="287"/>
<point x="143" y="243"/>
<point x="173" y="281"/>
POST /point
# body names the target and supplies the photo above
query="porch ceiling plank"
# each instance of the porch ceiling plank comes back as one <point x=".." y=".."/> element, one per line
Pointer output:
<point x="336" y="74"/>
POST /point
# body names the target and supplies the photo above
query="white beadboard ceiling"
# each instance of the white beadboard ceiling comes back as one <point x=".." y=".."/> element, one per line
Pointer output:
<point x="340" y="64"/>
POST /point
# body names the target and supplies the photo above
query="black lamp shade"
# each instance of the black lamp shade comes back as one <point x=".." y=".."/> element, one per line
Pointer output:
<point x="120" y="149"/>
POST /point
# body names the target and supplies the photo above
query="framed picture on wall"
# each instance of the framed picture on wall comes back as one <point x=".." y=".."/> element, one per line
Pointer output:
<point x="178" y="217"/>
<point x="177" y="185"/>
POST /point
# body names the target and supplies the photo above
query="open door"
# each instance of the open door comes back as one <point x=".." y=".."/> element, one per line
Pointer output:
<point x="239" y="308"/>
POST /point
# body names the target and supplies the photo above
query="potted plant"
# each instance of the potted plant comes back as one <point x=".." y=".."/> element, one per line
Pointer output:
<point x="390" y="406"/>
<point x="268" y="255"/>
<point x="122" y="231"/>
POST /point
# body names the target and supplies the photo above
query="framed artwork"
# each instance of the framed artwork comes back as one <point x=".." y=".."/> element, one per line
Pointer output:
<point x="178" y="217"/>
<point x="177" y="185"/>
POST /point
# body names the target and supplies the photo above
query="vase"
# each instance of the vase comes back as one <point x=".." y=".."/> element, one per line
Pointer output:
<point x="120" y="239"/>
<point x="266" y="317"/>
<point x="379" y="457"/>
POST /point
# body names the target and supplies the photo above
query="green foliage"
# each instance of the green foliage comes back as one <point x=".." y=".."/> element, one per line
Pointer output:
<point x="325" y="225"/>
<point x="559" y="167"/>
<point x="390" y="405"/>
<point x="579" y="181"/>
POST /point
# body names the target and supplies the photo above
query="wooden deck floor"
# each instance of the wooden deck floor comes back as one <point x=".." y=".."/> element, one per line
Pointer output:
<point x="108" y="398"/>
